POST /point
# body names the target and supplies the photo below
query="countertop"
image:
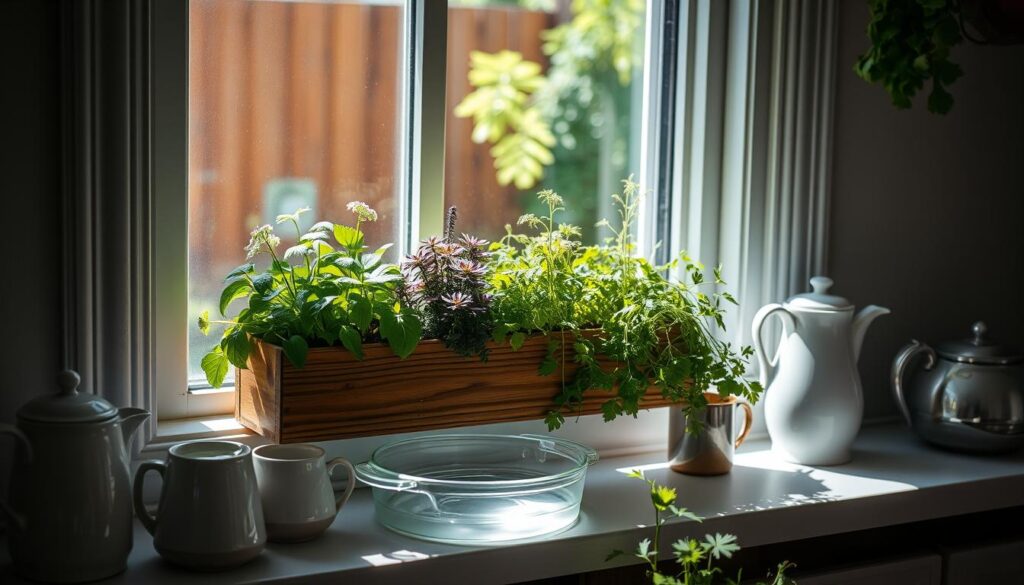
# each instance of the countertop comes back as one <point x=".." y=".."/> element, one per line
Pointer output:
<point x="893" y="479"/>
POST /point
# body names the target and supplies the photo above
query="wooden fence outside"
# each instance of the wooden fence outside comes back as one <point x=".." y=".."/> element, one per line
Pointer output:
<point x="313" y="91"/>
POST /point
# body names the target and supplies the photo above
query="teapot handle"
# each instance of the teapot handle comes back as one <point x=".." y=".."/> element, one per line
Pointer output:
<point x="148" y="520"/>
<point x="17" y="521"/>
<point x="788" y="323"/>
<point x="899" y="366"/>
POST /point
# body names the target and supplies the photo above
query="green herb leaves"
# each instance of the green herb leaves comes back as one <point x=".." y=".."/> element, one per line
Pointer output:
<point x="694" y="558"/>
<point x="295" y="349"/>
<point x="625" y="324"/>
<point x="910" y="45"/>
<point x="647" y="330"/>
<point x="446" y="281"/>
<point x="215" y="365"/>
<point x="352" y="341"/>
<point x="349" y="237"/>
<point x="401" y="330"/>
<point x="315" y="296"/>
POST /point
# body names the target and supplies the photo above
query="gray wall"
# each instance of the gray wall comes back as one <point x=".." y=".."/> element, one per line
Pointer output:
<point x="30" y="184"/>
<point x="29" y="191"/>
<point x="928" y="211"/>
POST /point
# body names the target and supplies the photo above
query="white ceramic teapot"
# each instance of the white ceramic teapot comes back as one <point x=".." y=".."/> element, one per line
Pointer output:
<point x="70" y="508"/>
<point x="813" y="398"/>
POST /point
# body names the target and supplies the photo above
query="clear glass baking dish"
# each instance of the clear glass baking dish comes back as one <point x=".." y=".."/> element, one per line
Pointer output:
<point x="478" y="489"/>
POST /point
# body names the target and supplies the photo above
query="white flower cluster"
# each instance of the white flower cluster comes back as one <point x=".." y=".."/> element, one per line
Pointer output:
<point x="261" y="239"/>
<point x="362" y="211"/>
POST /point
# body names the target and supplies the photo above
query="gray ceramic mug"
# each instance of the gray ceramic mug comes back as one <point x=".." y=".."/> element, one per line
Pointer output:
<point x="295" y="487"/>
<point x="210" y="516"/>
<point x="710" y="451"/>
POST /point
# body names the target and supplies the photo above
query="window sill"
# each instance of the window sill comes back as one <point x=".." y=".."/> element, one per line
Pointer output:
<point x="169" y="432"/>
<point x="893" y="479"/>
<point x="200" y="427"/>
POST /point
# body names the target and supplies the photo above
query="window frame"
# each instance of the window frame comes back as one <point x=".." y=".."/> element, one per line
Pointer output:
<point x="421" y="209"/>
<point x="124" y="136"/>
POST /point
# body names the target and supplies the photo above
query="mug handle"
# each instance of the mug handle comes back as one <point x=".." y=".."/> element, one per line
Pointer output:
<point x="748" y="421"/>
<point x="349" y="485"/>
<point x="147" y="519"/>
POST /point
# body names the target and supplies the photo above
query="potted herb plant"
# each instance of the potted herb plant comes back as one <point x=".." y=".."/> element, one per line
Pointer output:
<point x="327" y="288"/>
<point x="446" y="282"/>
<point x="334" y="342"/>
<point x="622" y="323"/>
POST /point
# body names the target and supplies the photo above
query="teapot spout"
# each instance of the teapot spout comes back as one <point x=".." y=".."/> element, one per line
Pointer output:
<point x="860" y="326"/>
<point x="131" y="419"/>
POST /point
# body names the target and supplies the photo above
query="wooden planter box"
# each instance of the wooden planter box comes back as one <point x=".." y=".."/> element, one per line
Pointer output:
<point x="336" y="396"/>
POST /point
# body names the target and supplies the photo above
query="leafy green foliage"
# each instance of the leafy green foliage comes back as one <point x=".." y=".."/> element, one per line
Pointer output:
<point x="602" y="33"/>
<point x="319" y="294"/>
<point x="629" y="325"/>
<point x="625" y="323"/>
<point x="517" y="108"/>
<point x="910" y="45"/>
<point x="501" y="116"/>
<point x="216" y="366"/>
<point x="695" y="558"/>
<point x="446" y="281"/>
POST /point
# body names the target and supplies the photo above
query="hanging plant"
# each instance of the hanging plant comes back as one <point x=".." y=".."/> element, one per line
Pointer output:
<point x="911" y="42"/>
<point x="910" y="46"/>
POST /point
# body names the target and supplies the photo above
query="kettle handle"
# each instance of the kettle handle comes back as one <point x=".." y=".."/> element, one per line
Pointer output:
<point x="899" y="366"/>
<point x="21" y="441"/>
<point x="147" y="519"/>
<point x="788" y="323"/>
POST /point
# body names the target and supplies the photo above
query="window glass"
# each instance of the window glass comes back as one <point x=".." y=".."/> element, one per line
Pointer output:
<point x="542" y="94"/>
<point x="291" y="104"/>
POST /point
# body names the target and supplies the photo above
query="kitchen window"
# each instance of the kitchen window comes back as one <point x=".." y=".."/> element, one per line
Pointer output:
<point x="722" y="110"/>
<point x="316" y="104"/>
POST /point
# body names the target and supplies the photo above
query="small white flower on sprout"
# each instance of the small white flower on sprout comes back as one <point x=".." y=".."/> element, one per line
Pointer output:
<point x="362" y="211"/>
<point x="261" y="239"/>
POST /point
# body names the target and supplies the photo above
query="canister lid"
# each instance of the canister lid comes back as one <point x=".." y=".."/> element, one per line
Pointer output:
<point x="979" y="349"/>
<point x="68" y="405"/>
<point x="819" y="299"/>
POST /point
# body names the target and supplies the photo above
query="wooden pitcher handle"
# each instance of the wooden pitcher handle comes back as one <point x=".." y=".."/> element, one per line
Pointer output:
<point x="748" y="422"/>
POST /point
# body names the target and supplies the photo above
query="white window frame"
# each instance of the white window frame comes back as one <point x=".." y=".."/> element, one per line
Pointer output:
<point x="422" y="186"/>
<point x="697" y="117"/>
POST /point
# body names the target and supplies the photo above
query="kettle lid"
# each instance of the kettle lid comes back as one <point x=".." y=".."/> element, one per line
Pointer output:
<point x="819" y="299"/>
<point x="979" y="349"/>
<point x="68" y="405"/>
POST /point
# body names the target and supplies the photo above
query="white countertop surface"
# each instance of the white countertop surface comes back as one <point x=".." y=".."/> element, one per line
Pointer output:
<point x="894" y="478"/>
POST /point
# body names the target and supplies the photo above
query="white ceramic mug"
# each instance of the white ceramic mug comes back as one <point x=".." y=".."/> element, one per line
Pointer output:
<point x="295" y="487"/>
<point x="210" y="516"/>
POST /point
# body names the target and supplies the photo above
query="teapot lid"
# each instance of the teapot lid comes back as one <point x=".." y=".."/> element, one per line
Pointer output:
<point x="979" y="349"/>
<point x="69" y="405"/>
<point x="819" y="300"/>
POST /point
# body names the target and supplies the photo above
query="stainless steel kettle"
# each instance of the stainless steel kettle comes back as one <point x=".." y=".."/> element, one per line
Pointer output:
<point x="969" y="395"/>
<point x="70" y="509"/>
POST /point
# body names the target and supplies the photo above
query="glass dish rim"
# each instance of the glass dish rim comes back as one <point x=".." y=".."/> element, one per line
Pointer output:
<point x="588" y="455"/>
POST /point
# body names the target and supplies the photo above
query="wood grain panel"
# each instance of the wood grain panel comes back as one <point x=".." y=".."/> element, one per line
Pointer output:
<point x="336" y="396"/>
<point x="470" y="181"/>
<point x="313" y="91"/>
<point x="258" y="407"/>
